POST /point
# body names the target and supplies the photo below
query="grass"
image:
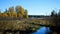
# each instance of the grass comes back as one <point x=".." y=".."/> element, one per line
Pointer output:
<point x="21" y="24"/>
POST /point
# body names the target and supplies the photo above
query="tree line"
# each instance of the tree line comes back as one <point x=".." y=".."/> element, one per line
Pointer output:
<point x="16" y="12"/>
<point x="56" y="17"/>
<point x="56" y="20"/>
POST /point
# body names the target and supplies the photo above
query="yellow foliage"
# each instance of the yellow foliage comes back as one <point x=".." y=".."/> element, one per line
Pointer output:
<point x="19" y="15"/>
<point x="11" y="9"/>
<point x="21" y="10"/>
<point x="4" y="15"/>
<point x="26" y="14"/>
<point x="12" y="13"/>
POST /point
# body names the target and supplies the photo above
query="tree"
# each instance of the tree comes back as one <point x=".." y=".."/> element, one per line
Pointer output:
<point x="52" y="13"/>
<point x="26" y="14"/>
<point x="11" y="9"/>
<point x="4" y="15"/>
<point x="17" y="9"/>
<point x="56" y="20"/>
<point x="20" y="10"/>
<point x="54" y="16"/>
<point x="0" y="13"/>
<point x="59" y="13"/>
<point x="11" y="12"/>
<point x="6" y="11"/>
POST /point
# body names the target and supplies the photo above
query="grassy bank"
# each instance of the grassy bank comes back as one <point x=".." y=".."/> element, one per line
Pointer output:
<point x="29" y="25"/>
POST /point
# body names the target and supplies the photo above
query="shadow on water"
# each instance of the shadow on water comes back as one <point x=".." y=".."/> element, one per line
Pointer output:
<point x="42" y="30"/>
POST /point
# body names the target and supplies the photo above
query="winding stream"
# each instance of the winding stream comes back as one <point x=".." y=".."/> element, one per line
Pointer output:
<point x="42" y="30"/>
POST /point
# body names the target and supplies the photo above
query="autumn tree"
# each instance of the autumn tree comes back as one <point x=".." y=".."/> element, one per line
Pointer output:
<point x="3" y="14"/>
<point x="0" y="13"/>
<point x="20" y="11"/>
<point x="11" y="12"/>
<point x="26" y="14"/>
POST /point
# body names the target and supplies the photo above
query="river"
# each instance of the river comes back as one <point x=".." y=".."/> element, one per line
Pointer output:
<point x="42" y="30"/>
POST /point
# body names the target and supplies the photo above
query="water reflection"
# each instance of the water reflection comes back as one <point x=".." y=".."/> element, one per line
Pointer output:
<point x="42" y="30"/>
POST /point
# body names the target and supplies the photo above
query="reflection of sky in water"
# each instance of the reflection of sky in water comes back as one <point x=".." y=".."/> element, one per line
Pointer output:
<point x="42" y="30"/>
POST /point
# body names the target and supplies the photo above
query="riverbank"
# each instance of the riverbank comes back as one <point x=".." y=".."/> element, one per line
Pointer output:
<point x="29" y="25"/>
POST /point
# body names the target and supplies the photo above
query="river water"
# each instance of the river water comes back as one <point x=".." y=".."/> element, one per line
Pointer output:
<point x="42" y="30"/>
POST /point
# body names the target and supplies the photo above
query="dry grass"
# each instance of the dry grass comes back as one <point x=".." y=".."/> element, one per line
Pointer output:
<point x="20" y="24"/>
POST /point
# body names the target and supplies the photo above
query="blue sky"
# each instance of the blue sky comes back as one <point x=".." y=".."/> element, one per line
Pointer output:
<point x="34" y="7"/>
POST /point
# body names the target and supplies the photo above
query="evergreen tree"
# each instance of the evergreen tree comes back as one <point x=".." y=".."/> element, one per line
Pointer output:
<point x="6" y="11"/>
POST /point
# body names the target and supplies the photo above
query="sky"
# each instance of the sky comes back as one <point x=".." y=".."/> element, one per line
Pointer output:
<point x="34" y="7"/>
